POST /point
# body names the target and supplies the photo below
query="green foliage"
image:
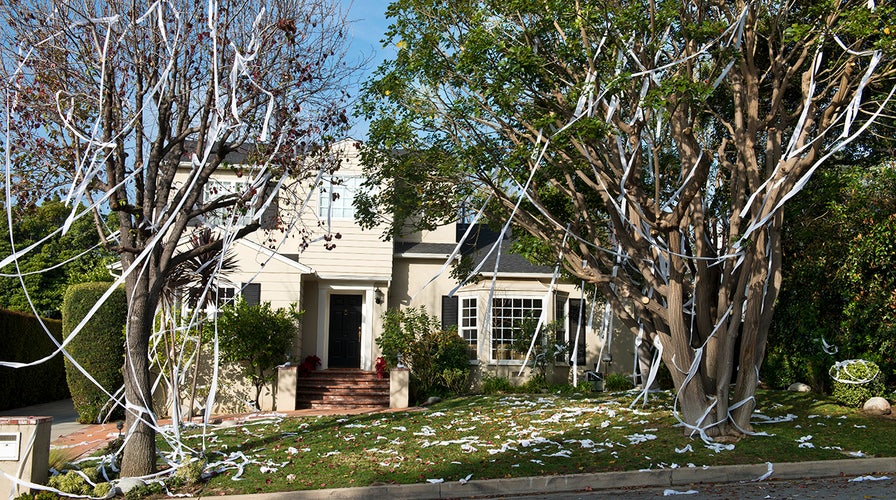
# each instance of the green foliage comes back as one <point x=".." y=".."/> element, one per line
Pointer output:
<point x="46" y="289"/>
<point x="534" y="385"/>
<point x="256" y="337"/>
<point x="615" y="382"/>
<point x="439" y="360"/>
<point x="855" y="394"/>
<point x="456" y="380"/>
<point x="70" y="482"/>
<point x="101" y="490"/>
<point x="493" y="384"/>
<point x="548" y="349"/>
<point x="839" y="273"/>
<point x="24" y="340"/>
<point x="400" y="330"/>
<point x="144" y="490"/>
<point x="40" y="495"/>
<point x="190" y="473"/>
<point x="98" y="348"/>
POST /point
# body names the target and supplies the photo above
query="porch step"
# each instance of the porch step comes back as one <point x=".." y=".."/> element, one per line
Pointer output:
<point x="342" y="388"/>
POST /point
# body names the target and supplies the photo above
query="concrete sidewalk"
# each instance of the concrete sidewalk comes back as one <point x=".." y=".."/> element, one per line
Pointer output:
<point x="82" y="439"/>
<point x="65" y="418"/>
<point x="66" y="433"/>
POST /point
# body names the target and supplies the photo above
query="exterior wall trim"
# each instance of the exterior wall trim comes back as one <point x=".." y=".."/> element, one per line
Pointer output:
<point x="366" y="291"/>
<point x="274" y="255"/>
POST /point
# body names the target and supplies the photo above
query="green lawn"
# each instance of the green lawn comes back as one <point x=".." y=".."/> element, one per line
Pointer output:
<point x="519" y="435"/>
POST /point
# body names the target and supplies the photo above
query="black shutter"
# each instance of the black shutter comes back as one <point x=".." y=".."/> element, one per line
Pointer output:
<point x="252" y="293"/>
<point x="577" y="307"/>
<point x="449" y="312"/>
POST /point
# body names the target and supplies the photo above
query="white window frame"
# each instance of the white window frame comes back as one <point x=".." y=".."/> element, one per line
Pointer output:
<point x="515" y="321"/>
<point x="342" y="208"/>
<point x="468" y="325"/>
<point x="221" y="216"/>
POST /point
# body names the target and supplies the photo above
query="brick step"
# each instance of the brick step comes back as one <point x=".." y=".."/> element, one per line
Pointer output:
<point x="324" y="406"/>
<point x="342" y="388"/>
<point x="308" y="393"/>
<point x="338" y="398"/>
<point x="373" y="384"/>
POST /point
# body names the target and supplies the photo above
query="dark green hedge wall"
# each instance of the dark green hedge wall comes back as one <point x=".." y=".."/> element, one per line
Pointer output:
<point x="23" y="340"/>
<point x="98" y="347"/>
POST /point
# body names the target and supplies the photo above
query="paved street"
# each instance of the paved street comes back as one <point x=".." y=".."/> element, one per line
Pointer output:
<point x="839" y="488"/>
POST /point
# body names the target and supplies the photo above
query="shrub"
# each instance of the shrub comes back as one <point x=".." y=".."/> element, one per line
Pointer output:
<point x="101" y="490"/>
<point x="256" y="337"/>
<point x="456" y="380"/>
<point x="24" y="340"/>
<point x="439" y="360"/>
<point x="191" y="473"/>
<point x="70" y="482"/>
<point x="493" y="384"/>
<point x="849" y="386"/>
<point x="535" y="385"/>
<point x="400" y="331"/>
<point x="98" y="348"/>
<point x="617" y="382"/>
<point x="433" y="353"/>
<point x="548" y="348"/>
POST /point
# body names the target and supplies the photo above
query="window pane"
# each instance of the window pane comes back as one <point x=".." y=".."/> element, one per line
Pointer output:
<point x="215" y="189"/>
<point x="338" y="196"/>
<point x="469" y="329"/>
<point x="506" y="324"/>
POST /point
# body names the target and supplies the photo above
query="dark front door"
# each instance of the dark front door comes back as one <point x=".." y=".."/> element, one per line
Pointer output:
<point x="345" y="331"/>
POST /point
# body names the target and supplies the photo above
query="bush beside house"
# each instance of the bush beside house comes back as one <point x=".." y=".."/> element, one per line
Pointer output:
<point x="98" y="348"/>
<point x="257" y="338"/>
<point x="24" y="340"/>
<point x="439" y="359"/>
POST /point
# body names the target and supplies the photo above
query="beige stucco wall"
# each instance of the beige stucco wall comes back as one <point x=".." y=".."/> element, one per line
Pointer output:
<point x="411" y="274"/>
<point x="357" y="253"/>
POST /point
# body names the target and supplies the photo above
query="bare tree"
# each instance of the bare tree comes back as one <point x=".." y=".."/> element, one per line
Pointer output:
<point x="659" y="139"/>
<point x="114" y="96"/>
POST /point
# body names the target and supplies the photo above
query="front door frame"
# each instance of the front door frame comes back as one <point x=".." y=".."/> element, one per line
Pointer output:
<point x="366" y="291"/>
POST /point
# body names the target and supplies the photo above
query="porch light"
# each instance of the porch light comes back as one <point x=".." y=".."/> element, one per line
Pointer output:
<point x="378" y="296"/>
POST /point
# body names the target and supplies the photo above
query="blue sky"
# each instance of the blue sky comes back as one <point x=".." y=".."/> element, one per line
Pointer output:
<point x="369" y="23"/>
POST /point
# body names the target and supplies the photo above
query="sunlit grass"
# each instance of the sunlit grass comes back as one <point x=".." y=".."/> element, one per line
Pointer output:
<point x="522" y="435"/>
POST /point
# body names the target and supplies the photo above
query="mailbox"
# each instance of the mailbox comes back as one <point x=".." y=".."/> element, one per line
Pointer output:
<point x="9" y="446"/>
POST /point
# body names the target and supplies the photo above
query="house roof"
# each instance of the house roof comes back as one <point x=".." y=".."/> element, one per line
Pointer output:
<point x="511" y="263"/>
<point x="477" y="246"/>
<point x="412" y="249"/>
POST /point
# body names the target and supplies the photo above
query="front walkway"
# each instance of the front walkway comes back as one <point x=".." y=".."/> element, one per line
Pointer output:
<point x="83" y="439"/>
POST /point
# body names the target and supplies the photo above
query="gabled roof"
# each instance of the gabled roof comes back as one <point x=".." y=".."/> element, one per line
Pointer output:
<point x="477" y="247"/>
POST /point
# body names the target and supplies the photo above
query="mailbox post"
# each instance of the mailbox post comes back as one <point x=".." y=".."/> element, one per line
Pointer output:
<point x="24" y="452"/>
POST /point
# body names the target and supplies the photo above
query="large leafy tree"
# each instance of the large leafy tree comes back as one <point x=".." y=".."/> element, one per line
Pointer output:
<point x="105" y="102"/>
<point x="49" y="269"/>
<point x="839" y="275"/>
<point x="660" y="137"/>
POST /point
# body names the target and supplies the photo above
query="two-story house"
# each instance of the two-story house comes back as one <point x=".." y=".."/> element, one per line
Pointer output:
<point x="344" y="279"/>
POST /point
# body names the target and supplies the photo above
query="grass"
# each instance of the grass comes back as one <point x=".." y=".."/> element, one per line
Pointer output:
<point x="516" y="436"/>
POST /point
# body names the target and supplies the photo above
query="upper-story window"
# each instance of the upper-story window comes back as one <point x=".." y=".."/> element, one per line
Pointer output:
<point x="337" y="197"/>
<point x="215" y="189"/>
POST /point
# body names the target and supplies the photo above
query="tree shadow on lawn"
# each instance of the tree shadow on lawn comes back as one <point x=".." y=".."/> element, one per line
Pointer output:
<point x="384" y="448"/>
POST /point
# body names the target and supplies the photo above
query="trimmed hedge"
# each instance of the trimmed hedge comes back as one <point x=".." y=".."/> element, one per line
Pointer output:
<point x="98" y="347"/>
<point x="23" y="340"/>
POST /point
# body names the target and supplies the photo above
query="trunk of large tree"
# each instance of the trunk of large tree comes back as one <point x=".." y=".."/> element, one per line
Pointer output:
<point x="139" y="451"/>
<point x="702" y="352"/>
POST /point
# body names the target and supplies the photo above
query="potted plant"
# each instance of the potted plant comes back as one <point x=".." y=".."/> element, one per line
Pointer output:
<point x="380" y="367"/>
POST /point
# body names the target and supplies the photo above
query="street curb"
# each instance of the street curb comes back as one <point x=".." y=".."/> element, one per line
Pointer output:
<point x="595" y="482"/>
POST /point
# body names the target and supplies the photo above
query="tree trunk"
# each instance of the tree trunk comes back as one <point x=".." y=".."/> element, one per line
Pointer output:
<point x="139" y="451"/>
